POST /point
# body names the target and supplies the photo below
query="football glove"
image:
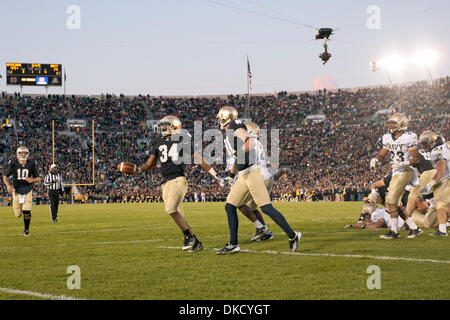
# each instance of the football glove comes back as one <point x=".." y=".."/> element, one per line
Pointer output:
<point x="226" y="182"/>
<point x="401" y="164"/>
<point x="374" y="163"/>
<point x="428" y="188"/>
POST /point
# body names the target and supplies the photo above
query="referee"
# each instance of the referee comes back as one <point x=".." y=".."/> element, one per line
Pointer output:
<point x="55" y="187"/>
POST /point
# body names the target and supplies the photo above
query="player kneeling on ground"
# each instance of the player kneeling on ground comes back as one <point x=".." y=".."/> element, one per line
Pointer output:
<point x="440" y="184"/>
<point x="24" y="173"/>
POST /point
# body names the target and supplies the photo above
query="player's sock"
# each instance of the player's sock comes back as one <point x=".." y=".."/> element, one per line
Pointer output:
<point x="26" y="219"/>
<point x="186" y="232"/>
<point x="411" y="223"/>
<point x="233" y="223"/>
<point x="258" y="224"/>
<point x="279" y="219"/>
<point x="394" y="225"/>
<point x="259" y="216"/>
<point x="443" y="228"/>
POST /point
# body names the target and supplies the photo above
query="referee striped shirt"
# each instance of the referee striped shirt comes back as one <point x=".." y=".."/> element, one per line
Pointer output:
<point x="53" y="181"/>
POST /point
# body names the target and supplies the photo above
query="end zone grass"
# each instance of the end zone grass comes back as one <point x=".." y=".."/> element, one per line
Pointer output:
<point x="133" y="251"/>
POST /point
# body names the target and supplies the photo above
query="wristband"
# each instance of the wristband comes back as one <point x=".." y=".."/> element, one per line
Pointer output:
<point x="213" y="173"/>
<point x="138" y="170"/>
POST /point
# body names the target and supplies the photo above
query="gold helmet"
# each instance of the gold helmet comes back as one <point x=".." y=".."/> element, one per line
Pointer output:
<point x="169" y="125"/>
<point x="252" y="129"/>
<point x="397" y="122"/>
<point x="22" y="153"/>
<point x="367" y="210"/>
<point x="226" y="115"/>
<point x="428" y="140"/>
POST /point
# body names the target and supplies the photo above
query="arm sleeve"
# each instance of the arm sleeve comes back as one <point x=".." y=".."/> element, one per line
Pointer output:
<point x="154" y="148"/>
<point x="9" y="169"/>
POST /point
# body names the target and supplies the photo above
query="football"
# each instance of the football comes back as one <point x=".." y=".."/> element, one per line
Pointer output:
<point x="127" y="168"/>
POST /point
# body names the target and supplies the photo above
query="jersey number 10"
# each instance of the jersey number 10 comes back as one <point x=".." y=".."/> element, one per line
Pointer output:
<point x="22" y="174"/>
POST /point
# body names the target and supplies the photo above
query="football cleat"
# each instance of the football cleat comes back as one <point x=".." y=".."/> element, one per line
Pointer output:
<point x="26" y="233"/>
<point x="188" y="242"/>
<point x="293" y="243"/>
<point x="414" y="233"/>
<point x="266" y="236"/>
<point x="197" y="246"/>
<point x="439" y="233"/>
<point x="229" y="248"/>
<point x="390" y="235"/>
<point x="259" y="233"/>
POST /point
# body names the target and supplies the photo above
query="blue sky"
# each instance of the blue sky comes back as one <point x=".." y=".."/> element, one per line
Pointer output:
<point x="195" y="47"/>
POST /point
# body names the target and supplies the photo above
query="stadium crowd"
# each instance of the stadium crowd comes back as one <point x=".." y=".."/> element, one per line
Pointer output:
<point x="324" y="160"/>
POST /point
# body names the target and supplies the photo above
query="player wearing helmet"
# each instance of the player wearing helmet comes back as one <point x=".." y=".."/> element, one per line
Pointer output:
<point x="439" y="184"/>
<point x="24" y="173"/>
<point x="402" y="147"/>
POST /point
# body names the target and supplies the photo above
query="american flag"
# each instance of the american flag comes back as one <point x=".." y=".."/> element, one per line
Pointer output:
<point x="249" y="75"/>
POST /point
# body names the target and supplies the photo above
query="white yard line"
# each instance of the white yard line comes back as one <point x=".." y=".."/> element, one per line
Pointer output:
<point x="37" y="294"/>
<point x="329" y="255"/>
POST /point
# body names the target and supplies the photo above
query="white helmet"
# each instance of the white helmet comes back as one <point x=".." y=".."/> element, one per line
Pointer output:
<point x="22" y="153"/>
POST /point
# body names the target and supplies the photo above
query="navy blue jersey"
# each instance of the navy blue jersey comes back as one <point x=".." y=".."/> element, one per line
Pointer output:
<point x="237" y="144"/>
<point x="170" y="154"/>
<point x="20" y="173"/>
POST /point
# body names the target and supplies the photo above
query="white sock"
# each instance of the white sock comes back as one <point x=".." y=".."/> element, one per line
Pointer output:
<point x="443" y="228"/>
<point x="394" y="224"/>
<point x="258" y="224"/>
<point x="411" y="223"/>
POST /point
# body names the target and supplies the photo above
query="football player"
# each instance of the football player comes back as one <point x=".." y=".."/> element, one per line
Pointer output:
<point x="426" y="172"/>
<point x="24" y="173"/>
<point x="249" y="180"/>
<point x="248" y="206"/>
<point x="167" y="149"/>
<point x="402" y="146"/>
<point x="439" y="184"/>
<point x="375" y="218"/>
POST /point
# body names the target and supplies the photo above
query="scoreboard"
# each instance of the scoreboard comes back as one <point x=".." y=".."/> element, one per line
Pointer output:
<point x="33" y="74"/>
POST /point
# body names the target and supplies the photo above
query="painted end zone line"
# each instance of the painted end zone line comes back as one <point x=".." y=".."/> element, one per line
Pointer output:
<point x="329" y="255"/>
<point x="37" y="294"/>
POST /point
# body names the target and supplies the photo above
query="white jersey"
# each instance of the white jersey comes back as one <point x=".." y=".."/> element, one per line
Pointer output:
<point x="442" y="152"/>
<point x="399" y="148"/>
<point x="381" y="213"/>
<point x="261" y="159"/>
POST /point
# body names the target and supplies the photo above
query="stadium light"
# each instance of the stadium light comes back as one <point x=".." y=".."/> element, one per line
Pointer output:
<point x="392" y="63"/>
<point x="424" y="58"/>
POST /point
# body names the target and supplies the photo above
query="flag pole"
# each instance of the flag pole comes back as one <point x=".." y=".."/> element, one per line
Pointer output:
<point x="64" y="82"/>
<point x="248" y="93"/>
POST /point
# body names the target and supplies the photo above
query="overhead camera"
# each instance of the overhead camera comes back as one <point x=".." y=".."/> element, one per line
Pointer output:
<point x="324" y="33"/>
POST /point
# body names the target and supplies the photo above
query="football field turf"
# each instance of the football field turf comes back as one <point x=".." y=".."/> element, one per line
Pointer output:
<point x="133" y="251"/>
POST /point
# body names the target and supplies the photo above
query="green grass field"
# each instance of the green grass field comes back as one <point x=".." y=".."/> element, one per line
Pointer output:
<point x="133" y="251"/>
